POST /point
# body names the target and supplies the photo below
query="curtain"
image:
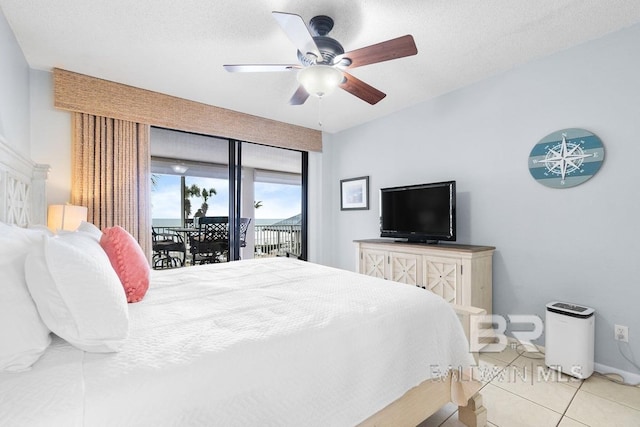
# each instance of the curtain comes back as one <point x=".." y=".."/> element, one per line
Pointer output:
<point x="111" y="174"/>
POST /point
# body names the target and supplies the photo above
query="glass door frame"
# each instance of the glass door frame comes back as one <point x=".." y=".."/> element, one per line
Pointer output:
<point x="235" y="192"/>
<point x="235" y="197"/>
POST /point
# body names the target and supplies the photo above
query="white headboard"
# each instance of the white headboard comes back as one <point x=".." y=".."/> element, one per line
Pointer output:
<point x="23" y="198"/>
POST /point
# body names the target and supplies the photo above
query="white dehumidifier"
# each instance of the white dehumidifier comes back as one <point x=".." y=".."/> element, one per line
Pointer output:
<point x="569" y="339"/>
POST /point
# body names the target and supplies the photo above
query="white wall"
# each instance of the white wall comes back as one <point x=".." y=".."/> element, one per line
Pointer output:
<point x="316" y="233"/>
<point x="50" y="137"/>
<point x="28" y="121"/>
<point x="578" y="244"/>
<point x="14" y="91"/>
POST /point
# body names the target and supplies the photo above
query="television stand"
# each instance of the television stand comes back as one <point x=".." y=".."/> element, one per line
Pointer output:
<point x="461" y="274"/>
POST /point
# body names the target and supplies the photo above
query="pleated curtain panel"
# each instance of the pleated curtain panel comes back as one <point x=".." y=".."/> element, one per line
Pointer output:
<point x="112" y="174"/>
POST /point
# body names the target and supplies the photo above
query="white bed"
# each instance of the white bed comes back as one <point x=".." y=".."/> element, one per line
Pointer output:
<point x="257" y="342"/>
<point x="261" y="342"/>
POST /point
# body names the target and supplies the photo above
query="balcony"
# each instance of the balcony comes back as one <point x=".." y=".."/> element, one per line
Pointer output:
<point x="278" y="239"/>
<point x="270" y="240"/>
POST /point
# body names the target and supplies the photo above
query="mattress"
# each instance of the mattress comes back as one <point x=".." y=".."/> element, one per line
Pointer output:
<point x="270" y="342"/>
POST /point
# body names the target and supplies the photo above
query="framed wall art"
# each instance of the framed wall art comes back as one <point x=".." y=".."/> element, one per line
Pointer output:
<point x="354" y="193"/>
<point x="566" y="158"/>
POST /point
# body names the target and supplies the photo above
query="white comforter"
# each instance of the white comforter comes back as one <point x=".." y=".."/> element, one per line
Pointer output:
<point x="271" y="342"/>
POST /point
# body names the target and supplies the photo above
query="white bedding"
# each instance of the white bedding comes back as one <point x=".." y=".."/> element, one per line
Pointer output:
<point x="270" y="342"/>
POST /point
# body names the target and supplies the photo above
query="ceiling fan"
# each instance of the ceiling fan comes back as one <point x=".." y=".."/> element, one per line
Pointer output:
<point x="323" y="60"/>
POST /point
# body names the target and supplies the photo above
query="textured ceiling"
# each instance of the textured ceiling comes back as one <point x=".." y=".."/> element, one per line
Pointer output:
<point x="179" y="47"/>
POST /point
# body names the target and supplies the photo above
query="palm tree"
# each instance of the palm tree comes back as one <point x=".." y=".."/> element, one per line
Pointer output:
<point x="189" y="192"/>
<point x="257" y="204"/>
<point x="205" y="195"/>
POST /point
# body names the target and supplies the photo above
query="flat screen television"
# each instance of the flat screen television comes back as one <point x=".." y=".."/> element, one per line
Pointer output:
<point x="419" y="213"/>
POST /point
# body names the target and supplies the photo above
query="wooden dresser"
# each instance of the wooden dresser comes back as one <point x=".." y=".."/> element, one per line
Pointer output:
<point x="461" y="274"/>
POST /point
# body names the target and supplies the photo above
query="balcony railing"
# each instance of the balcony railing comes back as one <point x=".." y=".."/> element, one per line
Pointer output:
<point x="271" y="240"/>
<point x="274" y="240"/>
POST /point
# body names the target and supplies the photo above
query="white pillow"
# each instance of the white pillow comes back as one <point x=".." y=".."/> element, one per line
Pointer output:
<point x="23" y="335"/>
<point x="78" y="294"/>
<point x="92" y="230"/>
<point x="84" y="227"/>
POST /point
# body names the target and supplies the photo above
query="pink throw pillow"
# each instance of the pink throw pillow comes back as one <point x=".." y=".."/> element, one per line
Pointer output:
<point x="128" y="260"/>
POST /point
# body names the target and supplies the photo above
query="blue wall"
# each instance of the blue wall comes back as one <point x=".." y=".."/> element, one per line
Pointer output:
<point x="578" y="244"/>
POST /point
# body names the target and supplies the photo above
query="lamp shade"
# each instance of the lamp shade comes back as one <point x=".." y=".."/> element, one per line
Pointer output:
<point x="320" y="80"/>
<point x="65" y="217"/>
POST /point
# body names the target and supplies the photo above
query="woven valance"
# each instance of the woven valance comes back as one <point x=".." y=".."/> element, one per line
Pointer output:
<point x="85" y="94"/>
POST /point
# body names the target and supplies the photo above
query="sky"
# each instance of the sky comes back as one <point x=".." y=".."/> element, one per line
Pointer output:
<point x="279" y="201"/>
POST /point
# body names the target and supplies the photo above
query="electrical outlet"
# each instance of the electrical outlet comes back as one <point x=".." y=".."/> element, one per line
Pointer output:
<point x="621" y="333"/>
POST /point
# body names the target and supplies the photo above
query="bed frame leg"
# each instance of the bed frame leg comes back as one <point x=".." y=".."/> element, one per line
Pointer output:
<point x="474" y="414"/>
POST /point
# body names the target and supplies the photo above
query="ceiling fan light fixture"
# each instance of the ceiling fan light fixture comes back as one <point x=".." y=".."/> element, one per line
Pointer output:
<point x="320" y="80"/>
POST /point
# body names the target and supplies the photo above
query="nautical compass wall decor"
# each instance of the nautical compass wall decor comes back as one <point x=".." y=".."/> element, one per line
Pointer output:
<point x="566" y="158"/>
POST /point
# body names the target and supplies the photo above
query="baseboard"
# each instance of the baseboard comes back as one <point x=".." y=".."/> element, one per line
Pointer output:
<point x="629" y="377"/>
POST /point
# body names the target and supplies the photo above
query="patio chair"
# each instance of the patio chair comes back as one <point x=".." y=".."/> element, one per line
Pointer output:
<point x="211" y="242"/>
<point x="165" y="246"/>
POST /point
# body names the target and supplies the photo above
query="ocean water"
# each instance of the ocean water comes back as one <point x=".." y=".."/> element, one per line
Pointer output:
<point x="165" y="222"/>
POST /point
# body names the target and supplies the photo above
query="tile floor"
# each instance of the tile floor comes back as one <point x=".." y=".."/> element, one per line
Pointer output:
<point x="521" y="392"/>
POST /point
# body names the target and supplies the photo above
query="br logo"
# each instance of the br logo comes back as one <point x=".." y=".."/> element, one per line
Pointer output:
<point x="487" y="332"/>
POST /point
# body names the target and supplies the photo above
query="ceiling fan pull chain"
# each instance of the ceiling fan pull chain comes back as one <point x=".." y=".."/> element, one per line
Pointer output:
<point x="320" y="111"/>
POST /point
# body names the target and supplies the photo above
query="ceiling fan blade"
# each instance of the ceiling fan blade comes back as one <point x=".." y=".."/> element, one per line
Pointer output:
<point x="297" y="31"/>
<point x="261" y="68"/>
<point x="361" y="89"/>
<point x="299" y="97"/>
<point x="380" y="52"/>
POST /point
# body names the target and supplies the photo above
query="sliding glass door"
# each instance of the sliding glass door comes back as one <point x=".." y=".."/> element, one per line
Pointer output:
<point x="259" y="189"/>
<point x="272" y="194"/>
